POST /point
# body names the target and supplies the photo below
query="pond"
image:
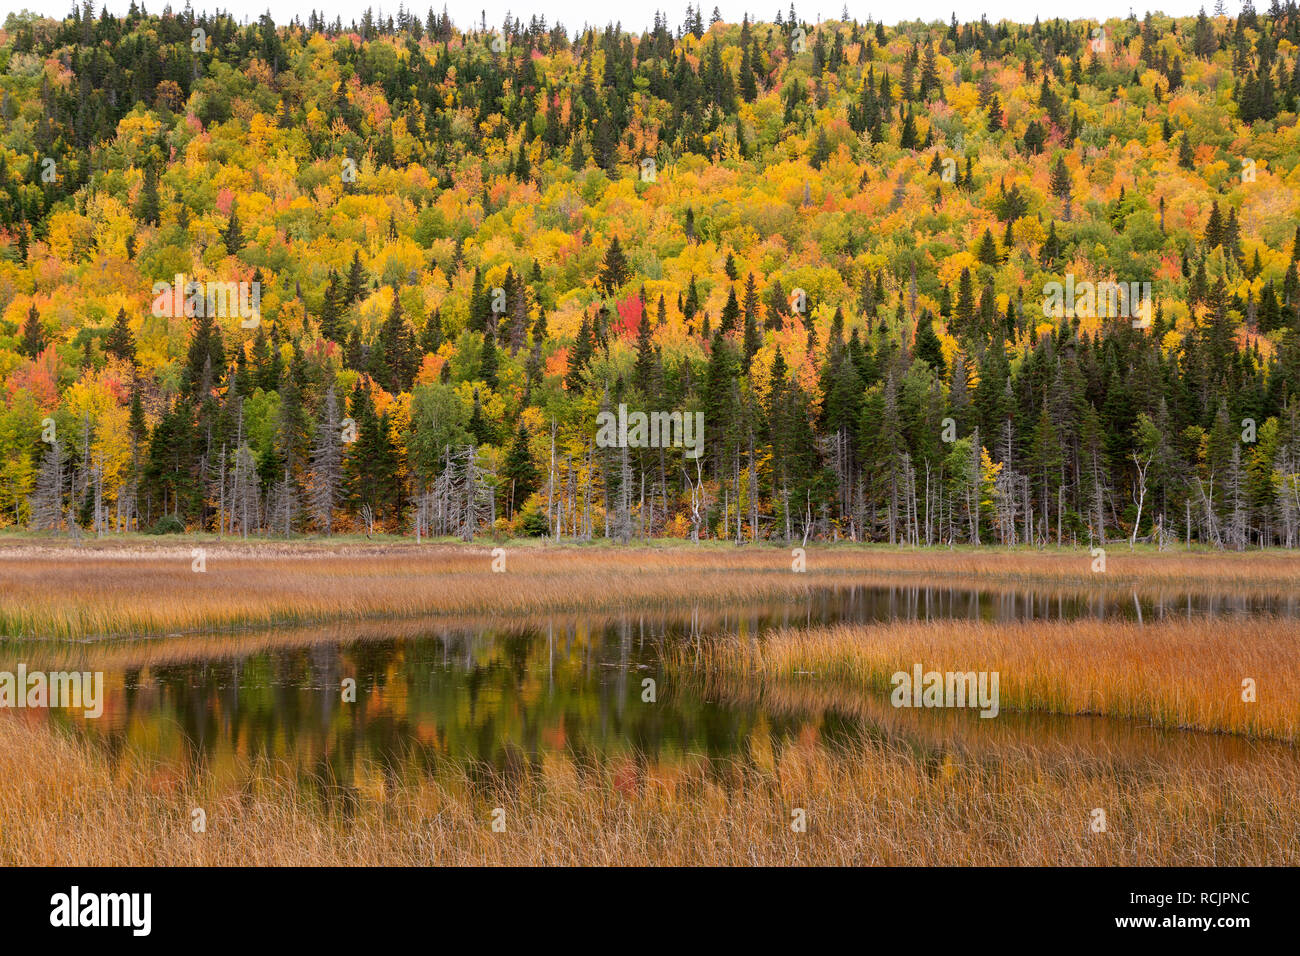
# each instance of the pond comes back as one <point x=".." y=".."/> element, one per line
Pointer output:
<point x="498" y="695"/>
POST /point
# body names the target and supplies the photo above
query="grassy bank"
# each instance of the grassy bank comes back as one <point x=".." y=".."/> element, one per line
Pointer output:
<point x="55" y="591"/>
<point x="1178" y="673"/>
<point x="63" y="802"/>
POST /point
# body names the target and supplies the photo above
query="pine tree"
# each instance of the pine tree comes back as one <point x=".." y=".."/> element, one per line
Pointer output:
<point x="753" y="340"/>
<point x="33" y="337"/>
<point x="927" y="347"/>
<point x="233" y="236"/>
<point x="692" y="303"/>
<point x="147" y="207"/>
<point x="579" y="357"/>
<point x="207" y="355"/>
<point x="488" y="361"/>
<point x="907" y="136"/>
<point x="995" y="113"/>
<point x="291" y="434"/>
<point x="1214" y="228"/>
<point x="431" y="335"/>
<point x="964" y="314"/>
<point x="331" y="320"/>
<point x="614" y="272"/>
<point x="730" y="313"/>
<point x="1051" y="248"/>
<point x="931" y="86"/>
<point x="478" y="425"/>
<point x="357" y="280"/>
<point x="644" y="369"/>
<point x="120" y="343"/>
<point x="397" y="354"/>
<point x="1062" y="186"/>
<point x="136" y="425"/>
<point x="822" y="149"/>
<point x="518" y="471"/>
<point x="748" y="84"/>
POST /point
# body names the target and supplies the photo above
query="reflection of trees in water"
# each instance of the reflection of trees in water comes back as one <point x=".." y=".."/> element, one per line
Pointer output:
<point x="331" y="780"/>
<point x="498" y="698"/>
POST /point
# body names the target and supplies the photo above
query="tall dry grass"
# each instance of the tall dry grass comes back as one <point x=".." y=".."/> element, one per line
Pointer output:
<point x="1176" y="673"/>
<point x="49" y="592"/>
<point x="911" y="790"/>
<point x="63" y="803"/>
<point x="117" y="654"/>
<point x="1050" y="735"/>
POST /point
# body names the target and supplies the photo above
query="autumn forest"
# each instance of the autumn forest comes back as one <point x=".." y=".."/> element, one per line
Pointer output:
<point x="385" y="276"/>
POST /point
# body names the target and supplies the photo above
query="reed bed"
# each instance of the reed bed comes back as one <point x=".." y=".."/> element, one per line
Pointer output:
<point x="64" y="803"/>
<point x="902" y="788"/>
<point x="53" y="592"/>
<point x="158" y="650"/>
<point x="1085" y="736"/>
<point x="1183" y="673"/>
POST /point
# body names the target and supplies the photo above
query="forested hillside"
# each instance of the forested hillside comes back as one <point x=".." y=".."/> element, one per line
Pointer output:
<point x="458" y="244"/>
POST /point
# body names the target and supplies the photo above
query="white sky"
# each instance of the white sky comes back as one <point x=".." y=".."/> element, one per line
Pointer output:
<point x="640" y="14"/>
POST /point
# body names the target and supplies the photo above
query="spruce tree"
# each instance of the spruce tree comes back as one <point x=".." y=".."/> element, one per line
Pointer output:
<point x="927" y="347"/>
<point x="147" y="207"/>
<point x="614" y="272"/>
<point x="580" y="354"/>
<point x="518" y="471"/>
<point x="120" y="343"/>
<point x="488" y="361"/>
<point x="233" y="236"/>
<point x="33" y="337"/>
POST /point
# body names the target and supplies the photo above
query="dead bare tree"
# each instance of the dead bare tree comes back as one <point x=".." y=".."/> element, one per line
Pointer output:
<point x="1141" y="495"/>
<point x="699" y="499"/>
<point x="46" y="501"/>
<point x="327" y="465"/>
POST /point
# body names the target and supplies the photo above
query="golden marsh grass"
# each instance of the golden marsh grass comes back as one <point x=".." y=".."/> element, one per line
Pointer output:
<point x="1175" y="673"/>
<point x="52" y="591"/>
<point x="64" y="803"/>
<point x="905" y="788"/>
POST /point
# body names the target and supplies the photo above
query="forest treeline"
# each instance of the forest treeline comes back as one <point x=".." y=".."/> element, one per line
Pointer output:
<point x="835" y="240"/>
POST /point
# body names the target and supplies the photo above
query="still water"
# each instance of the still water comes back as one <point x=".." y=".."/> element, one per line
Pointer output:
<point x="498" y="695"/>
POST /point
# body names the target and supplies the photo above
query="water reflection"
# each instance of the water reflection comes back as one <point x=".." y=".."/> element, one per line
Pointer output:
<point x="496" y="698"/>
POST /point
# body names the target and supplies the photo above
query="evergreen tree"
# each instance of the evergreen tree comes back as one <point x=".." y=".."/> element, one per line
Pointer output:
<point x="580" y="355"/>
<point x="33" y="337"/>
<point x="927" y="347"/>
<point x="488" y="361"/>
<point x="730" y="313"/>
<point x="614" y="272"/>
<point x="357" y="280"/>
<point x="478" y="425"/>
<point x="518" y="471"/>
<point x="331" y="319"/>
<point x="233" y="236"/>
<point x="397" y="354"/>
<point x="120" y="343"/>
<point x="147" y="207"/>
